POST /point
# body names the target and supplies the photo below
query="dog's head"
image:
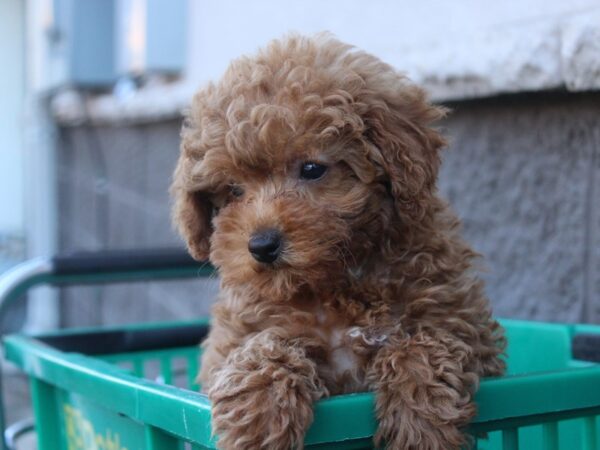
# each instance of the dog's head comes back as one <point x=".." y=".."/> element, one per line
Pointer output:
<point x="296" y="165"/>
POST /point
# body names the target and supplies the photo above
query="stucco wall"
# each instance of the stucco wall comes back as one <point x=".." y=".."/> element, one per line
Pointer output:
<point x="113" y="184"/>
<point x="522" y="172"/>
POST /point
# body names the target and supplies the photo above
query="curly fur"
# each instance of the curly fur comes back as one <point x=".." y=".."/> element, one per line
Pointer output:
<point x="374" y="289"/>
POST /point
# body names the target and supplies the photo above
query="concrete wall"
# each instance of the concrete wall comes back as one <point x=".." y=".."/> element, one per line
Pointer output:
<point x="524" y="174"/>
<point x="522" y="171"/>
<point x="112" y="193"/>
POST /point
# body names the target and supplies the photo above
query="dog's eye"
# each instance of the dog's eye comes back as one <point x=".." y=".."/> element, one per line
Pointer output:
<point x="312" y="170"/>
<point x="236" y="191"/>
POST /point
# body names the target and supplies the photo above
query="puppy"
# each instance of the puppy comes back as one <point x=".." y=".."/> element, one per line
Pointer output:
<point x="308" y="176"/>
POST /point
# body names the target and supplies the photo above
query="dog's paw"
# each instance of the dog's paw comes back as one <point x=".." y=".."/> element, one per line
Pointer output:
<point x="424" y="395"/>
<point x="257" y="420"/>
<point x="262" y="398"/>
<point x="274" y="418"/>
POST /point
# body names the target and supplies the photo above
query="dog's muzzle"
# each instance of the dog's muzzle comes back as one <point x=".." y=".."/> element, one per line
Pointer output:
<point x="265" y="246"/>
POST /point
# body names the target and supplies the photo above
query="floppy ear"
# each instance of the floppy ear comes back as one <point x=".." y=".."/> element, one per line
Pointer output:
<point x="192" y="212"/>
<point x="405" y="146"/>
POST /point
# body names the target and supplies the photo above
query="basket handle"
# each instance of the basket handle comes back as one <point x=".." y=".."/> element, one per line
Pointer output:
<point x="99" y="267"/>
<point x="121" y="261"/>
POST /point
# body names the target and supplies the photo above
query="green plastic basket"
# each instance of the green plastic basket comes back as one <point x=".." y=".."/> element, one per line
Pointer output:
<point x="133" y="388"/>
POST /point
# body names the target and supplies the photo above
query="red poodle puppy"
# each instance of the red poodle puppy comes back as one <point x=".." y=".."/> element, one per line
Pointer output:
<point x="308" y="176"/>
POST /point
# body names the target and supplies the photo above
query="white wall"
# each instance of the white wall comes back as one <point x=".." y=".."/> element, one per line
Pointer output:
<point x="457" y="48"/>
<point x="11" y="115"/>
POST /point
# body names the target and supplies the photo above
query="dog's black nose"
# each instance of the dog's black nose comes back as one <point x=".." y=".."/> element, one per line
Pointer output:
<point x="265" y="246"/>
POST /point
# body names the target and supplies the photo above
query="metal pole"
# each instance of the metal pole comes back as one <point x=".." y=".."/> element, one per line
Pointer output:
<point x="13" y="284"/>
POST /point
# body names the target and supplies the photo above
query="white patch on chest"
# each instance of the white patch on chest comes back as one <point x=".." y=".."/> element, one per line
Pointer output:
<point x="344" y="370"/>
<point x="342" y="358"/>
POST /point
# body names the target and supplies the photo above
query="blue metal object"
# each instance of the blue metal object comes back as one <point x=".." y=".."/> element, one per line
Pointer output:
<point x="84" y="38"/>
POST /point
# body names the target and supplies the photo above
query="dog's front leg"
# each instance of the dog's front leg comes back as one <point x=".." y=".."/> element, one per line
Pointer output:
<point x="262" y="396"/>
<point x="423" y="392"/>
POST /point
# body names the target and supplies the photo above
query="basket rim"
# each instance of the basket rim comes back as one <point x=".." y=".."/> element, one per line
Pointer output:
<point x="505" y="402"/>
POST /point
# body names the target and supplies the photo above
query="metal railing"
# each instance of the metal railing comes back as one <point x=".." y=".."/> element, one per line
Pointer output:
<point x="85" y="268"/>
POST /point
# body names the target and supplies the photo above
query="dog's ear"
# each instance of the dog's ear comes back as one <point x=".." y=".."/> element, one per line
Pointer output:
<point x="192" y="212"/>
<point x="403" y="144"/>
